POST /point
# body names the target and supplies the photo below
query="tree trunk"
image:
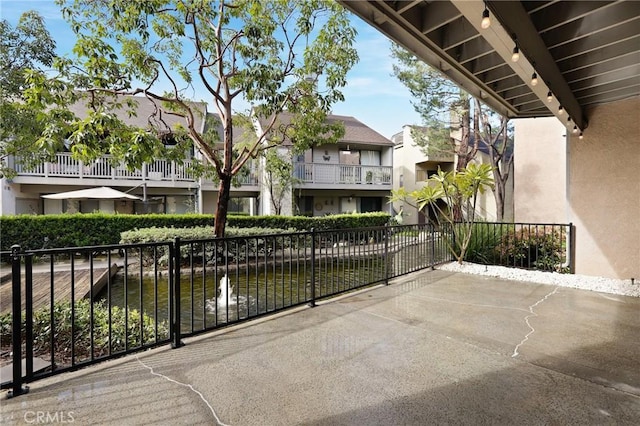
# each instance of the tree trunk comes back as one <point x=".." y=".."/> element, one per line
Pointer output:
<point x="224" y="189"/>
<point x="463" y="148"/>
<point x="463" y="159"/>
<point x="224" y="194"/>
<point x="498" y="193"/>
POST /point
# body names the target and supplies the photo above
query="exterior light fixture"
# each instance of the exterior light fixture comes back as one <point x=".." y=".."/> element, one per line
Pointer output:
<point x="581" y="136"/>
<point x="534" y="79"/>
<point x="549" y="96"/>
<point x="516" y="54"/>
<point x="575" y="129"/>
<point x="560" y="110"/>
<point x="486" y="21"/>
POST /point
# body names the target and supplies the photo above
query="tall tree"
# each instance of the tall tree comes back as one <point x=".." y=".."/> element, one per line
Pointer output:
<point x="455" y="122"/>
<point x="443" y="106"/>
<point x="497" y="136"/>
<point x="276" y="55"/>
<point x="28" y="46"/>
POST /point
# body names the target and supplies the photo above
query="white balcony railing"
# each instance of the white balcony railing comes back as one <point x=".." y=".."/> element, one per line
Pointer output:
<point x="65" y="166"/>
<point x="343" y="173"/>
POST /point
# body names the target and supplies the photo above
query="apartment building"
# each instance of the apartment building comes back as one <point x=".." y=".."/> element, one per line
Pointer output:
<point x="352" y="175"/>
<point x="414" y="164"/>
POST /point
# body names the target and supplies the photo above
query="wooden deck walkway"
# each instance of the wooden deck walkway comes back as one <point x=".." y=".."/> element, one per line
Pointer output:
<point x="61" y="284"/>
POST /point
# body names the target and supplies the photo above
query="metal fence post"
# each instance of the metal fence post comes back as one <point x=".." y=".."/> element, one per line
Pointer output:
<point x="387" y="232"/>
<point x="432" y="231"/>
<point x="312" y="303"/>
<point x="16" y="332"/>
<point x="176" y="342"/>
<point x="28" y="314"/>
<point x="571" y="251"/>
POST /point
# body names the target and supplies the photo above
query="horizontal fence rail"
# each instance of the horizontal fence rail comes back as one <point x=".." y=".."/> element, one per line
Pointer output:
<point x="72" y="307"/>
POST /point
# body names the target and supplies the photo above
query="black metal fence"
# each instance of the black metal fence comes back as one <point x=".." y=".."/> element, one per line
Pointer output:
<point x="542" y="246"/>
<point x="76" y="306"/>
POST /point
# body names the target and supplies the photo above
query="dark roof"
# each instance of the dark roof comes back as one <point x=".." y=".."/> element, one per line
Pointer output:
<point x="144" y="117"/>
<point x="355" y="131"/>
<point x="214" y="121"/>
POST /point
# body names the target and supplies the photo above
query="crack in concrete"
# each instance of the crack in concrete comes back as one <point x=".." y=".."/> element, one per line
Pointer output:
<point x="526" y="320"/>
<point x="218" y="421"/>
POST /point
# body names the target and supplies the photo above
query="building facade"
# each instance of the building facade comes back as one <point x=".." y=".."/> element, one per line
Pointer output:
<point x="352" y="175"/>
<point x="414" y="164"/>
<point x="591" y="182"/>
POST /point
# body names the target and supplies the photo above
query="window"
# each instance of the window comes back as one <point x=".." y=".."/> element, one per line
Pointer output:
<point x="370" y="158"/>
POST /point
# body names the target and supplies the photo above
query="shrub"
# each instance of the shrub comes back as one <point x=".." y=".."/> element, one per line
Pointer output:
<point x="81" y="336"/>
<point x="78" y="230"/>
<point x="304" y="223"/>
<point x="207" y="247"/>
<point x="485" y="237"/>
<point x="540" y="248"/>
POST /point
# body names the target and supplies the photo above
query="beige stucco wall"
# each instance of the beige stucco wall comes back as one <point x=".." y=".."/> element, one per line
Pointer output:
<point x="405" y="157"/>
<point x="591" y="182"/>
<point x="540" y="173"/>
<point x="604" y="191"/>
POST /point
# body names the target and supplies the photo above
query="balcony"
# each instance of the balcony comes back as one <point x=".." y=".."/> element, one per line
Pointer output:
<point x="65" y="166"/>
<point x="337" y="175"/>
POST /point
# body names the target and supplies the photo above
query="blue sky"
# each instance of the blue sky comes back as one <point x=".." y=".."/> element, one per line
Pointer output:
<point x="372" y="95"/>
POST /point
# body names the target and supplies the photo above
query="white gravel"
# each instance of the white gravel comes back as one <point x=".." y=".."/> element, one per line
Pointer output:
<point x="583" y="282"/>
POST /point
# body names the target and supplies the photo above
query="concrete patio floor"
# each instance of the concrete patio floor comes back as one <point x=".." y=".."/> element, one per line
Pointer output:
<point x="432" y="348"/>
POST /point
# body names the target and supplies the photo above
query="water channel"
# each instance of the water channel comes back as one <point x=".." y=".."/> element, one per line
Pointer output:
<point x="251" y="291"/>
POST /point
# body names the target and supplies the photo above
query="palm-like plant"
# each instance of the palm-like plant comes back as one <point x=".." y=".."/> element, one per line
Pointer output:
<point x="455" y="189"/>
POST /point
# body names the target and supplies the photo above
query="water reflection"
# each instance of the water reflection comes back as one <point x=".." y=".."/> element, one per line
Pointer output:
<point x="246" y="293"/>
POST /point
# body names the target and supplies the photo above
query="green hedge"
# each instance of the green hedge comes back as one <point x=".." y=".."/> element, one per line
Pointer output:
<point x="76" y="230"/>
<point x="304" y="223"/>
<point x="211" y="250"/>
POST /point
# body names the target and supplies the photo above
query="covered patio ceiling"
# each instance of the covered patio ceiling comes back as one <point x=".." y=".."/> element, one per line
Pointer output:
<point x="583" y="52"/>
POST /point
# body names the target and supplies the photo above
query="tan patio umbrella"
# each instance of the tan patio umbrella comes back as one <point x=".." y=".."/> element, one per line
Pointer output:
<point x="98" y="193"/>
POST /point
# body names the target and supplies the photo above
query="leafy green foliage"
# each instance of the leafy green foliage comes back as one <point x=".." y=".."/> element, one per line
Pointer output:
<point x="27" y="48"/>
<point x="278" y="55"/>
<point x="454" y="188"/>
<point x="80" y="336"/>
<point x="541" y="248"/>
<point x="207" y="251"/>
<point x="77" y="230"/>
<point x="436" y="97"/>
<point x="303" y="223"/>
<point x="279" y="177"/>
<point x="484" y="239"/>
